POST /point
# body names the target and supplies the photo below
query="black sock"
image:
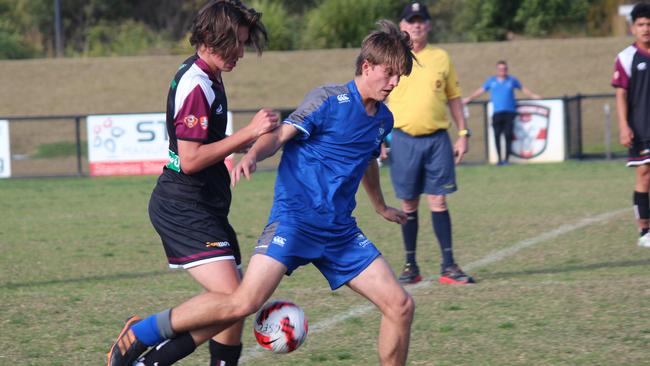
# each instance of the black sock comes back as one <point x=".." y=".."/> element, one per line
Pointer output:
<point x="223" y="354"/>
<point x="442" y="228"/>
<point x="641" y="208"/>
<point x="410" y="235"/>
<point x="170" y="351"/>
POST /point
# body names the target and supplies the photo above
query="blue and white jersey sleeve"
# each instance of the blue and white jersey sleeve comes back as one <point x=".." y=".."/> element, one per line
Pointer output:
<point x="515" y="83"/>
<point x="310" y="114"/>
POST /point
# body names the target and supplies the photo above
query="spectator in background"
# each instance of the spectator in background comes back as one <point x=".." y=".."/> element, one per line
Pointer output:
<point x="421" y="151"/>
<point x="504" y="106"/>
<point x="632" y="82"/>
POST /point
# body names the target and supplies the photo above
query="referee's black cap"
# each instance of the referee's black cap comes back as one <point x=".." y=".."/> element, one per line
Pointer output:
<point x="415" y="10"/>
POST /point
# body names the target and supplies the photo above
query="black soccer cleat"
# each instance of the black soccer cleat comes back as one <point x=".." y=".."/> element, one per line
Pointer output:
<point x="453" y="275"/>
<point x="127" y="348"/>
<point x="410" y="274"/>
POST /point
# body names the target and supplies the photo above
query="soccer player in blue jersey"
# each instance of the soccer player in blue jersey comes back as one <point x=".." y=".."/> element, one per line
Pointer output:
<point x="632" y="82"/>
<point x="330" y="146"/>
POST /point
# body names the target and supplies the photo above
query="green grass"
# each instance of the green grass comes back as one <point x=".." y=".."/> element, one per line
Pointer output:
<point x="79" y="255"/>
<point x="60" y="149"/>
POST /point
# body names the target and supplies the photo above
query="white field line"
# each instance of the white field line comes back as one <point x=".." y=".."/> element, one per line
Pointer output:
<point x="493" y="257"/>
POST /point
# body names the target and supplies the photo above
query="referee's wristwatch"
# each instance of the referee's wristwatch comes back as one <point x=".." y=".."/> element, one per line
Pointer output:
<point x="465" y="132"/>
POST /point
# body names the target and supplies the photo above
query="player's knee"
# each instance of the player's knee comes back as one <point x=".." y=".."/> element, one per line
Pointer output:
<point x="402" y="308"/>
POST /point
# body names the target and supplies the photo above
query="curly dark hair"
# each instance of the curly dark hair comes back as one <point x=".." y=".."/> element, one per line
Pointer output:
<point x="640" y="10"/>
<point x="217" y="23"/>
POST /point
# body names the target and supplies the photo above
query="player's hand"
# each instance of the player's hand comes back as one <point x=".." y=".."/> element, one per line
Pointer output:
<point x="626" y="135"/>
<point x="246" y="167"/>
<point x="383" y="152"/>
<point x="466" y="100"/>
<point x="266" y="120"/>
<point x="460" y="149"/>
<point x="394" y="215"/>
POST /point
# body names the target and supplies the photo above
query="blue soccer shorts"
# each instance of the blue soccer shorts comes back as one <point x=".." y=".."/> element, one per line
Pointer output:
<point x="422" y="164"/>
<point x="339" y="256"/>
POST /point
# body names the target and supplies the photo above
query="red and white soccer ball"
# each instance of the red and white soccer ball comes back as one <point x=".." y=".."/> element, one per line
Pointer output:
<point x="280" y="326"/>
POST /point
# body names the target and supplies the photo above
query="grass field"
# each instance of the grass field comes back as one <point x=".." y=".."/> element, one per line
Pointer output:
<point x="560" y="278"/>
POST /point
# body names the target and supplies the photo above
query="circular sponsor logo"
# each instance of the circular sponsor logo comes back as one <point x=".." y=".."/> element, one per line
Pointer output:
<point x="190" y="121"/>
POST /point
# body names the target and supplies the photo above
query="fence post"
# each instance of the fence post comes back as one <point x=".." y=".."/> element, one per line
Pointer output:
<point x="486" y="132"/>
<point x="77" y="126"/>
<point x="608" y="132"/>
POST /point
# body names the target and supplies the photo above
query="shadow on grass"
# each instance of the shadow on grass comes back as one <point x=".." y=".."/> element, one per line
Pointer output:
<point x="564" y="269"/>
<point x="109" y="277"/>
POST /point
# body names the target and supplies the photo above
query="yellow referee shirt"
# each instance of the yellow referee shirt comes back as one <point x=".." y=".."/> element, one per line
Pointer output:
<point x="419" y="102"/>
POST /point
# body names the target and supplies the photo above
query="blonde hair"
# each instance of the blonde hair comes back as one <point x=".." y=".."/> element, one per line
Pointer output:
<point x="387" y="45"/>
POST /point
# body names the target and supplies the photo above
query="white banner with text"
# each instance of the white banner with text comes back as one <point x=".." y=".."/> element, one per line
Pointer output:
<point x="5" y="151"/>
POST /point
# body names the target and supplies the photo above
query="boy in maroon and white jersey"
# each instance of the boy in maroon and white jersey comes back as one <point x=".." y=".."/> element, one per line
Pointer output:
<point x="632" y="82"/>
<point x="190" y="203"/>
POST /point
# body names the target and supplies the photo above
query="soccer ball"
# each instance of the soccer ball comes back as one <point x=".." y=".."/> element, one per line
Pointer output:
<point x="280" y="326"/>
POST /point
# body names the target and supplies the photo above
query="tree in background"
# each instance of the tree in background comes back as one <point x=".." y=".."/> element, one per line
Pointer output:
<point x="126" y="27"/>
<point x="344" y="23"/>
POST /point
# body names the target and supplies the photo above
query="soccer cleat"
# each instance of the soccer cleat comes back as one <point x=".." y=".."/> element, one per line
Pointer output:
<point x="453" y="275"/>
<point x="410" y="274"/>
<point x="127" y="348"/>
<point x="644" y="241"/>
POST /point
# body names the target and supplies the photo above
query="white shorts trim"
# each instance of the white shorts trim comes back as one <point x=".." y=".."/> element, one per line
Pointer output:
<point x="203" y="261"/>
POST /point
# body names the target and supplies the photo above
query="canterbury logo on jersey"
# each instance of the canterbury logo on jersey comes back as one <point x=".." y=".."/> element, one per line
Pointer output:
<point x="219" y="109"/>
<point x="641" y="66"/>
<point x="343" y="98"/>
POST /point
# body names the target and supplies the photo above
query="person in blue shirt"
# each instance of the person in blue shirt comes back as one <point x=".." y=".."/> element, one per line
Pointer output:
<point x="331" y="143"/>
<point x="504" y="106"/>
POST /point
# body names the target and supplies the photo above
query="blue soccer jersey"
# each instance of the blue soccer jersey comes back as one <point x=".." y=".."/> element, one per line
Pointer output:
<point x="321" y="168"/>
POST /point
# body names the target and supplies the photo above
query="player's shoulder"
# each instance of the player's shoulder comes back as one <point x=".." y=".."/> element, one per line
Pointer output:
<point x="435" y="51"/>
<point x="324" y="92"/>
<point x="627" y="53"/>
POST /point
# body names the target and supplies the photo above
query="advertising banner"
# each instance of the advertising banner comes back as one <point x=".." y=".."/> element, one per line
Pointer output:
<point x="130" y="144"/>
<point x="539" y="133"/>
<point x="5" y="151"/>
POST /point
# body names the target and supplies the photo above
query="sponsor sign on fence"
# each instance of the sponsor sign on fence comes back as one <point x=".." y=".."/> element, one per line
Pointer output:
<point x="129" y="144"/>
<point x="5" y="153"/>
<point x="539" y="133"/>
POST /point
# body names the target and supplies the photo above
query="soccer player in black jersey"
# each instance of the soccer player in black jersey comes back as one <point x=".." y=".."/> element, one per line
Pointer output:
<point x="632" y="82"/>
<point x="190" y="203"/>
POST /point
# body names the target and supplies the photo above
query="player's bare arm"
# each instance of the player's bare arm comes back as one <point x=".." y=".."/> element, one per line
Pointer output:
<point x="462" y="144"/>
<point x="625" y="132"/>
<point x="196" y="156"/>
<point x="373" y="189"/>
<point x="265" y="146"/>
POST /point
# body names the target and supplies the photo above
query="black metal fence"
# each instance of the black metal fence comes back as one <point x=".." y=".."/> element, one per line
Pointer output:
<point x="55" y="146"/>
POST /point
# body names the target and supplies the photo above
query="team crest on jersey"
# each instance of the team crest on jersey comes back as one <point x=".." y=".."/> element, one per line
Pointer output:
<point x="190" y="121"/>
<point x="343" y="98"/>
<point x="642" y="66"/>
<point x="531" y="130"/>
<point x="203" y="121"/>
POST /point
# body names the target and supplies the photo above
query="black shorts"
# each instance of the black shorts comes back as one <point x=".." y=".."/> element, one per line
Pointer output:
<point x="192" y="234"/>
<point x="639" y="153"/>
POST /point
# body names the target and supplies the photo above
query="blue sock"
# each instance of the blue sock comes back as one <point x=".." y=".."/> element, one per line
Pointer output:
<point x="148" y="330"/>
<point x="442" y="229"/>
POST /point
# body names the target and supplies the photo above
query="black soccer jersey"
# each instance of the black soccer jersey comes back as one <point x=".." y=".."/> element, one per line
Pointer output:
<point x="632" y="73"/>
<point x="196" y="111"/>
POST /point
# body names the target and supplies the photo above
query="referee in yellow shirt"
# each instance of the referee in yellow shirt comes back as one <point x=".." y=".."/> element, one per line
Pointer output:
<point x="423" y="158"/>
